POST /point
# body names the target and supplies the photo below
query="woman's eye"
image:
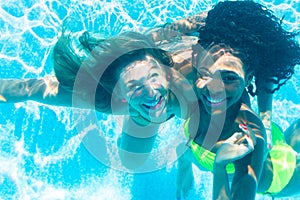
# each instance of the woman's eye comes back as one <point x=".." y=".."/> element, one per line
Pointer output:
<point x="230" y="78"/>
<point x="154" y="75"/>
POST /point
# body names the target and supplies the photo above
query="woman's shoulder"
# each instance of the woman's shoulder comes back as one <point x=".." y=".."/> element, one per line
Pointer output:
<point x="249" y="118"/>
<point x="247" y="111"/>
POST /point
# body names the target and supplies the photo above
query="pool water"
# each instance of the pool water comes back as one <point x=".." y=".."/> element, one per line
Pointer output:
<point x="42" y="155"/>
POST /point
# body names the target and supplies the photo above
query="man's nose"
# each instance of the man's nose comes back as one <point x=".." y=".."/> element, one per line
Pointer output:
<point x="150" y="90"/>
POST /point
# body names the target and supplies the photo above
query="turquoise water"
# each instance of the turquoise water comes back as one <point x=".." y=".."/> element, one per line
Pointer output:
<point x="42" y="155"/>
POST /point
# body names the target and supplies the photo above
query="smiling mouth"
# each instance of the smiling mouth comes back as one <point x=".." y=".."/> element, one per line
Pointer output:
<point x="217" y="101"/>
<point x="154" y="104"/>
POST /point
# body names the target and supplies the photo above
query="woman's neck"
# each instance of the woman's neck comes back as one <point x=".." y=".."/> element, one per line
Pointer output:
<point x="232" y="113"/>
<point x="213" y="128"/>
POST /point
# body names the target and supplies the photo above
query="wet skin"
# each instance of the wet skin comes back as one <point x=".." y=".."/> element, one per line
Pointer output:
<point x="144" y="85"/>
<point x="221" y="85"/>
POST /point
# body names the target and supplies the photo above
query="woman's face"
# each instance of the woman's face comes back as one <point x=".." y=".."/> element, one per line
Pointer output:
<point x="143" y="84"/>
<point x="221" y="84"/>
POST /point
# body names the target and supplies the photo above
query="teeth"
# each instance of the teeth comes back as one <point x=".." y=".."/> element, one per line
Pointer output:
<point x="214" y="100"/>
<point x="152" y="103"/>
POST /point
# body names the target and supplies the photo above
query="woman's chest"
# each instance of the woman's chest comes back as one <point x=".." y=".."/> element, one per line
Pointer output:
<point x="212" y="133"/>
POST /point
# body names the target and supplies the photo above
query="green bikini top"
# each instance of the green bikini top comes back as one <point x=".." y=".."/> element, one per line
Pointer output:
<point x="203" y="156"/>
<point x="283" y="158"/>
<point x="280" y="153"/>
<point x="206" y="158"/>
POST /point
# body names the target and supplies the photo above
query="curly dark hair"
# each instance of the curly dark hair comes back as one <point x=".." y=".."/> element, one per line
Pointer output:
<point x="251" y="28"/>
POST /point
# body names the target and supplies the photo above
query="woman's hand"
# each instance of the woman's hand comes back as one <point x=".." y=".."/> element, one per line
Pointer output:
<point x="236" y="147"/>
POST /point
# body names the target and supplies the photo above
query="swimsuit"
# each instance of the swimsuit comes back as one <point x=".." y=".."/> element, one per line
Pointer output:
<point x="203" y="156"/>
<point x="280" y="153"/>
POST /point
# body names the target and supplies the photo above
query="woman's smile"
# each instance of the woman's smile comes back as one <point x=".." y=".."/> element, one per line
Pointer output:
<point x="221" y="84"/>
<point x="215" y="101"/>
<point x="145" y="87"/>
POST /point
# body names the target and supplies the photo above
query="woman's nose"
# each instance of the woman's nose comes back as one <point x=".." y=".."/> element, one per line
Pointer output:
<point x="215" y="86"/>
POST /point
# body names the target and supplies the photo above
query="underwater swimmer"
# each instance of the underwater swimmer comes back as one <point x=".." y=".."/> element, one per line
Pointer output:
<point x="249" y="25"/>
<point x="125" y="75"/>
<point x="233" y="131"/>
<point x="235" y="153"/>
<point x="274" y="176"/>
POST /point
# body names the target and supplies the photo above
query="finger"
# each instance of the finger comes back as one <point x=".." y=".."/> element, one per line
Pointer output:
<point x="200" y="83"/>
<point x="241" y="140"/>
<point x="235" y="137"/>
<point x="246" y="129"/>
<point x="252" y="136"/>
<point x="250" y="144"/>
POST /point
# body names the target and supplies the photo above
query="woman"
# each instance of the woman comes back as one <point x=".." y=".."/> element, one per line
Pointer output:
<point x="245" y="31"/>
<point x="249" y="25"/>
<point x="222" y="77"/>
<point x="124" y="75"/>
<point x="232" y="145"/>
<point x="78" y="59"/>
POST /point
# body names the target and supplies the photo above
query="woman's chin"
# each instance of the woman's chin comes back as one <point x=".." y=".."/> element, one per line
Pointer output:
<point x="157" y="117"/>
<point x="215" y="108"/>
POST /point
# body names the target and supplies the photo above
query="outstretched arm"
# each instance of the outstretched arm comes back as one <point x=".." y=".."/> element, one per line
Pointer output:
<point x="45" y="90"/>
<point x="183" y="26"/>
<point x="48" y="91"/>
<point x="246" y="150"/>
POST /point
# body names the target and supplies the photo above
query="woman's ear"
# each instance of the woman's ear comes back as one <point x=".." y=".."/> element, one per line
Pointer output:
<point x="248" y="79"/>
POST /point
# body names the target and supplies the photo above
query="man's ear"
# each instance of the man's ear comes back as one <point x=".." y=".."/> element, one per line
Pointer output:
<point x="117" y="92"/>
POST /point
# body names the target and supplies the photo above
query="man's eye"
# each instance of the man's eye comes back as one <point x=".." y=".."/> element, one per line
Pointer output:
<point x="133" y="87"/>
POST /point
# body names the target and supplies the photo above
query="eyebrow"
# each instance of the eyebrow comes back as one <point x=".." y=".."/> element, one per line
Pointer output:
<point x="231" y="73"/>
<point x="220" y="71"/>
<point x="132" y="82"/>
<point x="154" y="66"/>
